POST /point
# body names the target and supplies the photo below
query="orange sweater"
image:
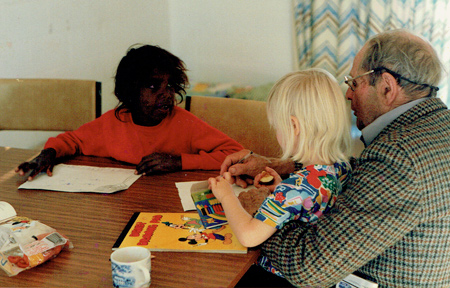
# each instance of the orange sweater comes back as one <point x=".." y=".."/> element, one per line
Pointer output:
<point x="200" y="145"/>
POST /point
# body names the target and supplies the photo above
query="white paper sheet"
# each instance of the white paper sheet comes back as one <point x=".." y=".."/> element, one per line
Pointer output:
<point x="78" y="178"/>
<point x="184" y="191"/>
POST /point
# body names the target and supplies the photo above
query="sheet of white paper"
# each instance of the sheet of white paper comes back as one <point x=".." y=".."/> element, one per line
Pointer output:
<point x="184" y="191"/>
<point x="78" y="178"/>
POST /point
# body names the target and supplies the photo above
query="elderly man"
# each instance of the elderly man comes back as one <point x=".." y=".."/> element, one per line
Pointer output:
<point x="392" y="225"/>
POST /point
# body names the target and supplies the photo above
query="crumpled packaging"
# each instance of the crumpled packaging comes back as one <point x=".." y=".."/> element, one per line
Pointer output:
<point x="26" y="243"/>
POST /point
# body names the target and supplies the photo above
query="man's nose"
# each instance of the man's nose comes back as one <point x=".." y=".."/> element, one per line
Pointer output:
<point x="349" y="94"/>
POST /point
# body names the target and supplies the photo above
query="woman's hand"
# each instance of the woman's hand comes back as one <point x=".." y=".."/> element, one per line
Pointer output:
<point x="158" y="162"/>
<point x="46" y="160"/>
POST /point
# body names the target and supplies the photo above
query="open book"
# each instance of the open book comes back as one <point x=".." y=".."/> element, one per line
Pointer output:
<point x="208" y="207"/>
<point x="185" y="188"/>
<point x="177" y="232"/>
<point x="7" y="211"/>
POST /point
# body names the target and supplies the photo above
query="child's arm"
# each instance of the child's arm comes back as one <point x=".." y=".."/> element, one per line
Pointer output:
<point x="249" y="231"/>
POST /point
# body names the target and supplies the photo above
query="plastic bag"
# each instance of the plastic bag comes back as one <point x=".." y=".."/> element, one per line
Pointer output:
<point x="26" y="243"/>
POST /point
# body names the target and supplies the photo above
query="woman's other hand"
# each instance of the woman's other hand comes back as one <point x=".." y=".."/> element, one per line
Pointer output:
<point x="45" y="161"/>
<point x="158" y="162"/>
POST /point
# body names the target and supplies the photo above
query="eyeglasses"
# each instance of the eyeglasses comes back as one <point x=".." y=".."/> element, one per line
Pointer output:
<point x="352" y="83"/>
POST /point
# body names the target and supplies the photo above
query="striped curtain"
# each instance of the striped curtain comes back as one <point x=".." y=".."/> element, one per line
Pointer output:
<point x="329" y="33"/>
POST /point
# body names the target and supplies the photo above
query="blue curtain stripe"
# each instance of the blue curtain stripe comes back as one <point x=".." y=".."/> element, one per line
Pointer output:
<point x="329" y="33"/>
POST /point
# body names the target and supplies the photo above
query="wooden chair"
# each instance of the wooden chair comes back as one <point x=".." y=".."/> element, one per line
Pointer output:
<point x="243" y="120"/>
<point x="47" y="104"/>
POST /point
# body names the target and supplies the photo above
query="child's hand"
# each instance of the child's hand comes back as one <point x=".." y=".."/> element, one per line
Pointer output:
<point x="276" y="179"/>
<point x="220" y="187"/>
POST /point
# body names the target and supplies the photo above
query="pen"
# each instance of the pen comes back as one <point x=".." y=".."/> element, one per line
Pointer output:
<point x="245" y="157"/>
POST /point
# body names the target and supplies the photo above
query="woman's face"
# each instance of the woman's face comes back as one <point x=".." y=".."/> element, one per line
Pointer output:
<point x="155" y="103"/>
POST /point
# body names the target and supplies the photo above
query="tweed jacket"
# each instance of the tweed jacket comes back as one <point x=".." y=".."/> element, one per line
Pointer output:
<point x="392" y="224"/>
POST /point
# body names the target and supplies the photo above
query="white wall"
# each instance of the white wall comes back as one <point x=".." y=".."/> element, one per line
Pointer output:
<point x="245" y="42"/>
<point x="79" y="39"/>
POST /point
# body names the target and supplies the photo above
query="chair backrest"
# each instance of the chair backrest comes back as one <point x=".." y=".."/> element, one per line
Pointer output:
<point x="243" y="120"/>
<point x="48" y="104"/>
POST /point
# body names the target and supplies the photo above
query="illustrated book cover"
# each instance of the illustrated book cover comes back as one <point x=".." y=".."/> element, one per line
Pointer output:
<point x="208" y="207"/>
<point x="177" y="232"/>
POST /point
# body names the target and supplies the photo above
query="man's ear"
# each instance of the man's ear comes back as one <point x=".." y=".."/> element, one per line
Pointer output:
<point x="388" y="88"/>
<point x="295" y="125"/>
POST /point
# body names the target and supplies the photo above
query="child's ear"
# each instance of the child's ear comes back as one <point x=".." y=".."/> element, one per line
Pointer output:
<point x="295" y="125"/>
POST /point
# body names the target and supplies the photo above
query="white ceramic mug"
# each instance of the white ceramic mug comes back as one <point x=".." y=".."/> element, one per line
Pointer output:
<point x="131" y="267"/>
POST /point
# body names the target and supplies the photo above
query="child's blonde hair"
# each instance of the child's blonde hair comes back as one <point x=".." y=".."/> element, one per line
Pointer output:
<point x="314" y="97"/>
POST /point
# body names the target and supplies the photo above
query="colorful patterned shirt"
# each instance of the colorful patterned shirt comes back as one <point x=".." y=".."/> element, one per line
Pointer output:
<point x="306" y="195"/>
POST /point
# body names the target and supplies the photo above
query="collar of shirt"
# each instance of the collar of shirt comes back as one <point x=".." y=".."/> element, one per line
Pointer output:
<point x="373" y="129"/>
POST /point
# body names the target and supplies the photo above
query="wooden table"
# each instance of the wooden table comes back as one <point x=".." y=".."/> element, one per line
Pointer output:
<point x="94" y="221"/>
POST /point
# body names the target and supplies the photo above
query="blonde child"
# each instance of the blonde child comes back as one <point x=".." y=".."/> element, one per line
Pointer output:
<point x="308" y="111"/>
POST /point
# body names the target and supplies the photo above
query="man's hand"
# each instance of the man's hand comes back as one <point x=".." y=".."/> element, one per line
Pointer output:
<point x="46" y="160"/>
<point x="243" y="169"/>
<point x="233" y="159"/>
<point x="158" y="162"/>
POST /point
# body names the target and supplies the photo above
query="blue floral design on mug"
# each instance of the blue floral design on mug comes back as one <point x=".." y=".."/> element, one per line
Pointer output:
<point x="120" y="279"/>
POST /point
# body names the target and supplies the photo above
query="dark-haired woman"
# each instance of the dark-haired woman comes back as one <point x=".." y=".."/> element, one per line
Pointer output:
<point x="147" y="128"/>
